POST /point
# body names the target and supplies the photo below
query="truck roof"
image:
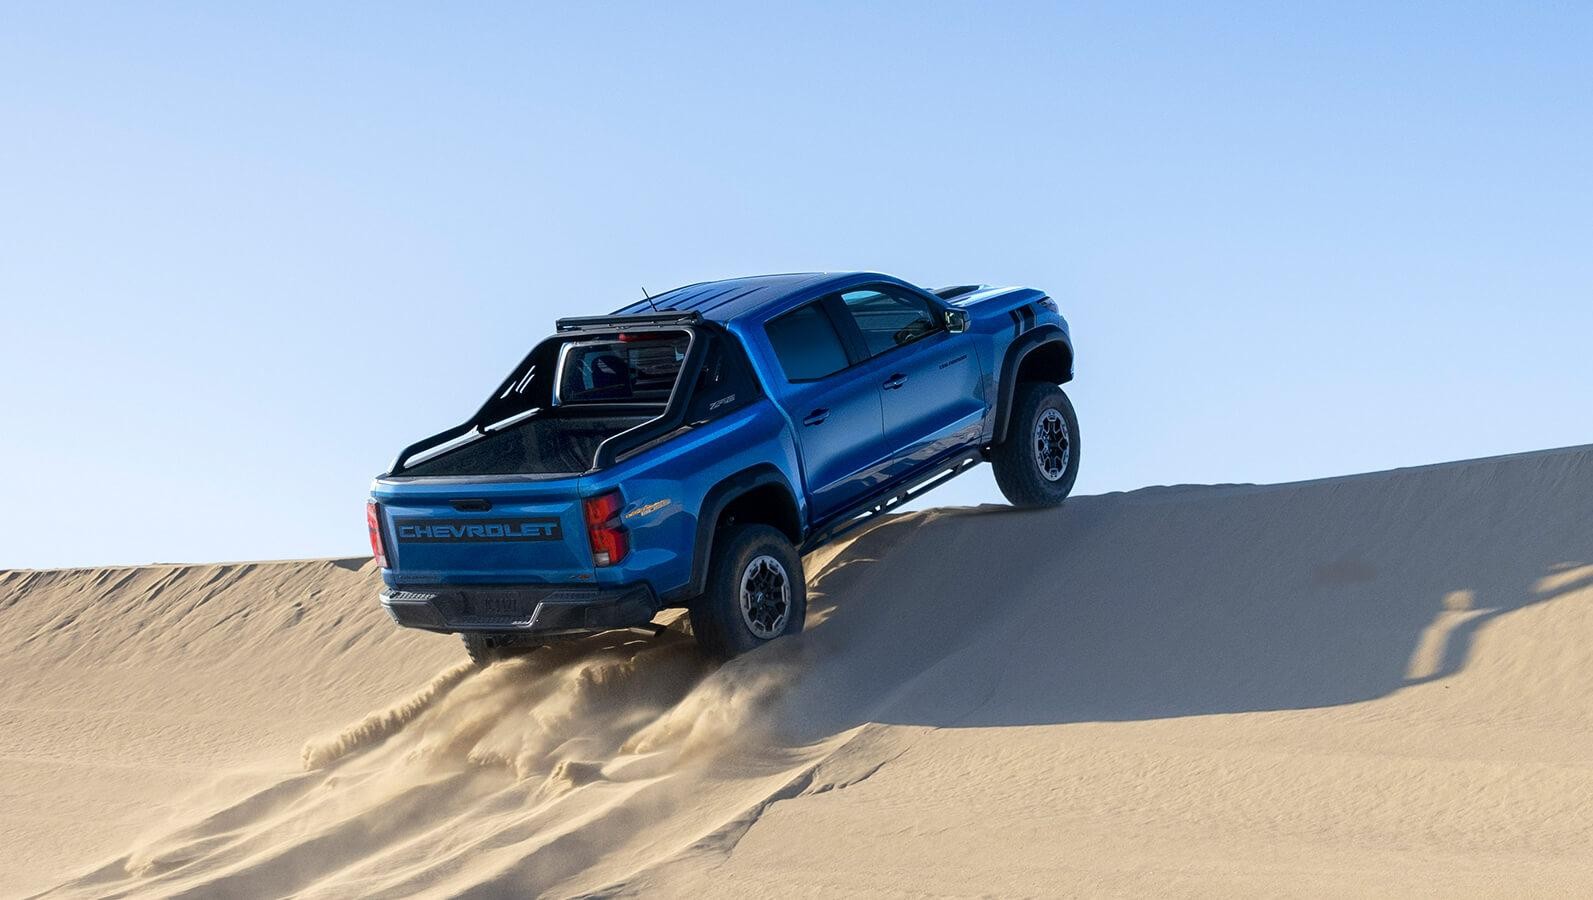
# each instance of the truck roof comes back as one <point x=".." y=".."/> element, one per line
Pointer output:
<point x="724" y="300"/>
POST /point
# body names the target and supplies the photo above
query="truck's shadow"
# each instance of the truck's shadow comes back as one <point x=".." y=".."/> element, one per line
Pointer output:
<point x="1188" y="601"/>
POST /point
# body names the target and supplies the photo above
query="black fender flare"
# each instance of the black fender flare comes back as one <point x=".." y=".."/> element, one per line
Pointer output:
<point x="714" y="502"/>
<point x="1027" y="343"/>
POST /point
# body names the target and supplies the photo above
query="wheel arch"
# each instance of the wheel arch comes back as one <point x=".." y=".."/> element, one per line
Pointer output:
<point x="759" y="494"/>
<point x="1042" y="354"/>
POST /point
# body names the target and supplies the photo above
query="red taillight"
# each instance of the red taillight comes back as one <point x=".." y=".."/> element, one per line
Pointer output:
<point x="610" y="543"/>
<point x="373" y="521"/>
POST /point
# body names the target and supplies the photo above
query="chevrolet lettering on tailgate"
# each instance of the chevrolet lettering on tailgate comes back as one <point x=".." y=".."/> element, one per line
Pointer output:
<point x="435" y="531"/>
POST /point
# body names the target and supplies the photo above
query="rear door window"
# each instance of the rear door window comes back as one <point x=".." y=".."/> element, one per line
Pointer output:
<point x="639" y="368"/>
<point x="807" y="344"/>
<point x="889" y="318"/>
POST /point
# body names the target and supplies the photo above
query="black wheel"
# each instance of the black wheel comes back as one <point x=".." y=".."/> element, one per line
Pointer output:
<point x="1039" y="460"/>
<point x="756" y="592"/>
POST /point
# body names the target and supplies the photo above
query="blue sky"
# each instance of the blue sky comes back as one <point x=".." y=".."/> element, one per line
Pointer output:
<point x="248" y="253"/>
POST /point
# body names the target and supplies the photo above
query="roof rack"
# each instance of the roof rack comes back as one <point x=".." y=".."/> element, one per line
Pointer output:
<point x="670" y="317"/>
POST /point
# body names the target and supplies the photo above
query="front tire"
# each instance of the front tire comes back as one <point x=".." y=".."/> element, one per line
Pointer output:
<point x="756" y="592"/>
<point x="1039" y="460"/>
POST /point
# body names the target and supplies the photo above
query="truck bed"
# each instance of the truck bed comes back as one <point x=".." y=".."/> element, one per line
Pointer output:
<point x="541" y="445"/>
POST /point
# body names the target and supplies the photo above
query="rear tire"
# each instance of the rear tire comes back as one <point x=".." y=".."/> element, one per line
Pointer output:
<point x="486" y="649"/>
<point x="756" y="592"/>
<point x="1039" y="460"/>
<point x="480" y="650"/>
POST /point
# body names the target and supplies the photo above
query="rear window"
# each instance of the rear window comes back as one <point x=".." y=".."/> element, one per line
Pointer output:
<point x="807" y="344"/>
<point x="632" y="369"/>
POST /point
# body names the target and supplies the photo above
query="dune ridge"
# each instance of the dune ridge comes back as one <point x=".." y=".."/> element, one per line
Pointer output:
<point x="1372" y="684"/>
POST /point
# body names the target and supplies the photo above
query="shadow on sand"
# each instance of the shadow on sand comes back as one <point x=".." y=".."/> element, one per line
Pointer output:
<point x="1187" y="601"/>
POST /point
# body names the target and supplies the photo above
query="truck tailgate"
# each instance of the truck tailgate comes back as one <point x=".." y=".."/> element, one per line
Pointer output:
<point x="485" y="533"/>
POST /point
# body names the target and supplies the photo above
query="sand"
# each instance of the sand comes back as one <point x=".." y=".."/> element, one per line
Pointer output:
<point x="1379" y="684"/>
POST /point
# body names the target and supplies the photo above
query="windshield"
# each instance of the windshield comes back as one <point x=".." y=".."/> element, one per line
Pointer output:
<point x="631" y="368"/>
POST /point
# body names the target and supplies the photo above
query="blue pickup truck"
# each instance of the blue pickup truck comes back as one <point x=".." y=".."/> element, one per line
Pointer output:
<point x="685" y="450"/>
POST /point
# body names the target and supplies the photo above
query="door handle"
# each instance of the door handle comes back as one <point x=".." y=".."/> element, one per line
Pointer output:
<point x="817" y="417"/>
<point x="896" y="380"/>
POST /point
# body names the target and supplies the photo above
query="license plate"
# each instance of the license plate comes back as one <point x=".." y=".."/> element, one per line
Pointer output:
<point x="496" y="606"/>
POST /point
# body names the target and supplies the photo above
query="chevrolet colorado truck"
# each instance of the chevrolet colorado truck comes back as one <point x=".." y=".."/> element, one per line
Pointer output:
<point x="686" y="450"/>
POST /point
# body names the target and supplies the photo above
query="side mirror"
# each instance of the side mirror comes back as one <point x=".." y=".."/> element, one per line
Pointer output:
<point x="956" y="321"/>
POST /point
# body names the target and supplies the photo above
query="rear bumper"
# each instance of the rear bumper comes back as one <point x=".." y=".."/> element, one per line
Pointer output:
<point x="528" y="609"/>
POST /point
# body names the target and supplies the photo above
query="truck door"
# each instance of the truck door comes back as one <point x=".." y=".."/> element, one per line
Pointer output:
<point x="930" y="380"/>
<point x="837" y="417"/>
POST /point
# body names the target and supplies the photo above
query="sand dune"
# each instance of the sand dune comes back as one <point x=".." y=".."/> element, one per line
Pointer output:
<point x="1372" y="684"/>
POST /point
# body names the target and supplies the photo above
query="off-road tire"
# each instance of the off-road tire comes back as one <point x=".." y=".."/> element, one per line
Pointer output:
<point x="1020" y="471"/>
<point x="480" y="651"/>
<point x="486" y="649"/>
<point x="761" y="557"/>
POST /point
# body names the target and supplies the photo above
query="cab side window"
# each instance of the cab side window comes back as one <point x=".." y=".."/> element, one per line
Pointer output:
<point x="889" y="318"/>
<point x="807" y="344"/>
